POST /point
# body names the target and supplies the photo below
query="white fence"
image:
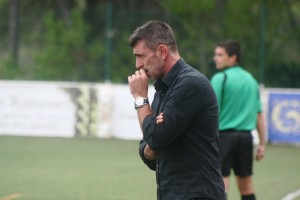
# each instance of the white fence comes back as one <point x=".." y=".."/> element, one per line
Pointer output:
<point x="59" y="109"/>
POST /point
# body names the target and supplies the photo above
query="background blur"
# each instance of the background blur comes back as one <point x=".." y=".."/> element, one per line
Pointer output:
<point x="86" y="40"/>
<point x="63" y="77"/>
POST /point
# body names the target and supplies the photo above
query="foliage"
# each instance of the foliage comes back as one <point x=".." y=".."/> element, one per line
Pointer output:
<point x="65" y="54"/>
<point x="207" y="22"/>
<point x="67" y="41"/>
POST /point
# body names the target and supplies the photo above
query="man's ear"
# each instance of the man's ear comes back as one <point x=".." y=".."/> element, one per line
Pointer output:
<point x="233" y="59"/>
<point x="163" y="50"/>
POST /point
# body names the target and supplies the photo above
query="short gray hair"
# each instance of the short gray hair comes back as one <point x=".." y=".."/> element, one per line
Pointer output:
<point x="154" y="33"/>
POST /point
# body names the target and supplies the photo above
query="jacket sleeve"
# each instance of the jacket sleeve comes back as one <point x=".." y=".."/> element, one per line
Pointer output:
<point x="150" y="164"/>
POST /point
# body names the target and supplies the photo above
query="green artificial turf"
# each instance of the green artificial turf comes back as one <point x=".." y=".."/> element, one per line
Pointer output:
<point x="33" y="168"/>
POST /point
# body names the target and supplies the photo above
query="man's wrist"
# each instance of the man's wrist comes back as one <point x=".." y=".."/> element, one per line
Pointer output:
<point x="140" y="102"/>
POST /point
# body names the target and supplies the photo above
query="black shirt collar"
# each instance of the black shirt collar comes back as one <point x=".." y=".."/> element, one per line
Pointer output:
<point x="165" y="82"/>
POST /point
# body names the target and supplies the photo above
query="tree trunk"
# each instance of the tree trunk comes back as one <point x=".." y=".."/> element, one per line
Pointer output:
<point x="292" y="19"/>
<point x="14" y="30"/>
<point x="64" y="6"/>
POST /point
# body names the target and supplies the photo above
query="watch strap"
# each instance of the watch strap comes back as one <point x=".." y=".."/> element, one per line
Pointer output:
<point x="144" y="102"/>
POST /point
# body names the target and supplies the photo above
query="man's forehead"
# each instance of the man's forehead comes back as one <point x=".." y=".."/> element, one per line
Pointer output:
<point x="140" y="47"/>
<point x="220" y="50"/>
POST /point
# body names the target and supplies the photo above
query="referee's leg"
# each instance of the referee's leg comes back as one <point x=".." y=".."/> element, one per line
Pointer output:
<point x="245" y="185"/>
<point x="243" y="167"/>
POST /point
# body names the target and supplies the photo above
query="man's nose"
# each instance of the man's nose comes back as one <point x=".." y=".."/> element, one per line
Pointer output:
<point x="138" y="64"/>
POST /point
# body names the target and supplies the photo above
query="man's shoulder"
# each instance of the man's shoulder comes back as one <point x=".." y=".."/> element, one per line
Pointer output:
<point x="248" y="75"/>
<point x="238" y="70"/>
<point x="190" y="75"/>
<point x="219" y="76"/>
<point x="188" y="70"/>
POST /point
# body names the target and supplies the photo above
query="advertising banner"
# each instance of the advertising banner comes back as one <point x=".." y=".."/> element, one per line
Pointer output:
<point x="125" y="124"/>
<point x="36" y="110"/>
<point x="61" y="109"/>
<point x="284" y="117"/>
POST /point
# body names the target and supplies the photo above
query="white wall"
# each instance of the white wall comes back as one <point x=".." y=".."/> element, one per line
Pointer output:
<point x="60" y="109"/>
<point x="68" y="109"/>
<point x="36" y="109"/>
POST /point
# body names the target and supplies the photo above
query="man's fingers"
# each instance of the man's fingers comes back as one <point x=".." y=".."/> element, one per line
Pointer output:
<point x="131" y="77"/>
<point x="142" y="71"/>
<point x="137" y="72"/>
<point x="159" y="118"/>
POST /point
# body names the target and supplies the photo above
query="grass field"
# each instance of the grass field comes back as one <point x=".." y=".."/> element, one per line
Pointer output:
<point x="34" y="168"/>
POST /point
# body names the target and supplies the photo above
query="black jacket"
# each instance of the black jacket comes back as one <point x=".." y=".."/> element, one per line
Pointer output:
<point x="188" y="163"/>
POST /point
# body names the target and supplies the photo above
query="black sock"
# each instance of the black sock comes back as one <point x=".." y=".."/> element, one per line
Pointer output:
<point x="248" y="197"/>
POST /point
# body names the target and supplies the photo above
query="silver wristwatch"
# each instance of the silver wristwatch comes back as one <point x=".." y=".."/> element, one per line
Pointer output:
<point x="140" y="102"/>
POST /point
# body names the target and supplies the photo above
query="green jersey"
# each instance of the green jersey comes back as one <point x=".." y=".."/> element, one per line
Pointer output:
<point x="238" y="99"/>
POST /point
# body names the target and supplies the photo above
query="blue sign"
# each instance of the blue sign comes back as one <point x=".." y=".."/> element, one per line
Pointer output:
<point x="284" y="118"/>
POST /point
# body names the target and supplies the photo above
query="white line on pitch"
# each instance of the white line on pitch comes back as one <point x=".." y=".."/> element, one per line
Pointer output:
<point x="292" y="195"/>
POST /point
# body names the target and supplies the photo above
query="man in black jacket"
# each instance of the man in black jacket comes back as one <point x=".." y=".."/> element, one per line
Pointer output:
<point x="180" y="129"/>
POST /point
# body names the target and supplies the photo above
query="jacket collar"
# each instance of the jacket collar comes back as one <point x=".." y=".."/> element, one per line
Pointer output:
<point x="164" y="83"/>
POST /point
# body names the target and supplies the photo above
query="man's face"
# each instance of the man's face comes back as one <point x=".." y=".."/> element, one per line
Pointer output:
<point x="149" y="60"/>
<point x="222" y="59"/>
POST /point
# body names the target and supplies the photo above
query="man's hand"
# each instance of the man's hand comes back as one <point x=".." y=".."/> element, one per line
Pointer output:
<point x="138" y="84"/>
<point x="260" y="152"/>
<point x="149" y="153"/>
<point x="160" y="118"/>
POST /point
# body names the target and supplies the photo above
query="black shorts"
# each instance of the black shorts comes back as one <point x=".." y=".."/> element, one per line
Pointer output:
<point x="236" y="151"/>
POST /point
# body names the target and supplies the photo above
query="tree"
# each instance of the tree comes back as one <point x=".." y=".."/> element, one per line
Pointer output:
<point x="65" y="39"/>
<point x="14" y="31"/>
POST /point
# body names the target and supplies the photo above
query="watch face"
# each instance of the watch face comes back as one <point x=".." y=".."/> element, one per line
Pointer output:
<point x="139" y="101"/>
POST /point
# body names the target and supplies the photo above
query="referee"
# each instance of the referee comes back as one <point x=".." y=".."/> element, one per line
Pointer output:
<point x="240" y="112"/>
